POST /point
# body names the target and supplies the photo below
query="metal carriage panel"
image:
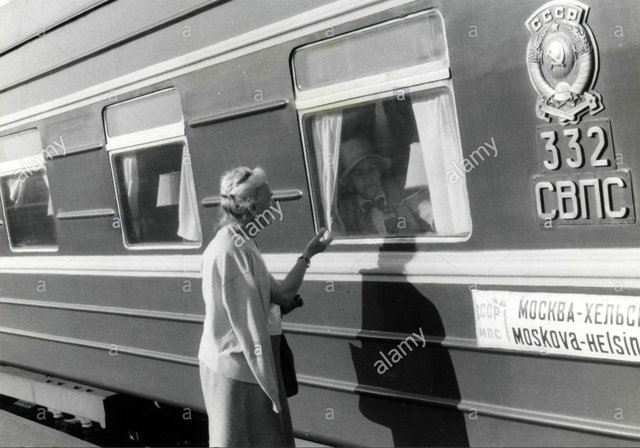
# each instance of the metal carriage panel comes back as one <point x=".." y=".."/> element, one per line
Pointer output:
<point x="147" y="330"/>
<point x="177" y="295"/>
<point x="115" y="371"/>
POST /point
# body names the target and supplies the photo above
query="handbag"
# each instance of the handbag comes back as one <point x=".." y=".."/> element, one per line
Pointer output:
<point x="288" y="368"/>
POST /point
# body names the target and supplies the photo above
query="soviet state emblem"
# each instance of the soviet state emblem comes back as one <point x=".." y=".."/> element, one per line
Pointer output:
<point x="563" y="62"/>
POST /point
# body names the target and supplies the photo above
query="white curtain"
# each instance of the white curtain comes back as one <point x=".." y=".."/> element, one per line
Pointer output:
<point x="189" y="227"/>
<point x="131" y="184"/>
<point x="50" y="204"/>
<point x="326" y="132"/>
<point x="130" y="174"/>
<point x="439" y="140"/>
<point x="17" y="187"/>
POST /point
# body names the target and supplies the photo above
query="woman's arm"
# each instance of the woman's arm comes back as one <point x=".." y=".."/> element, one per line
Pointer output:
<point x="282" y="292"/>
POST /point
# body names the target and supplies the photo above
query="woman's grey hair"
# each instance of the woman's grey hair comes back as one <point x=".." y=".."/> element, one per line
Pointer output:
<point x="240" y="189"/>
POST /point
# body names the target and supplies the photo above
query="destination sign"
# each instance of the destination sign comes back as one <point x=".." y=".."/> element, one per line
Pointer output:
<point x="584" y="325"/>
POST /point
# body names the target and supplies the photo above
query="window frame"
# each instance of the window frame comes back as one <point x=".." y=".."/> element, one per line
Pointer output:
<point x="6" y="170"/>
<point x="147" y="139"/>
<point x="427" y="66"/>
<point x="148" y="146"/>
<point x="366" y="89"/>
<point x="367" y="85"/>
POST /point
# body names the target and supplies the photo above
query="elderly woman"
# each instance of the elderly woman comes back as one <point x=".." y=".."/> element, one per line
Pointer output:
<point x="239" y="351"/>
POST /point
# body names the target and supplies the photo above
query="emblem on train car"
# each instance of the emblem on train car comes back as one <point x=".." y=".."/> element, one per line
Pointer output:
<point x="562" y="60"/>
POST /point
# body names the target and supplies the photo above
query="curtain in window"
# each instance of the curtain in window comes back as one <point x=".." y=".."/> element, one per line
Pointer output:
<point x="131" y="184"/>
<point x="326" y="131"/>
<point x="17" y="187"/>
<point x="189" y="227"/>
<point x="438" y="135"/>
<point x="50" y="204"/>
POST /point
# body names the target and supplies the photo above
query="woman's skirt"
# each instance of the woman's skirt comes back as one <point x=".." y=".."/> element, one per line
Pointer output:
<point x="240" y="413"/>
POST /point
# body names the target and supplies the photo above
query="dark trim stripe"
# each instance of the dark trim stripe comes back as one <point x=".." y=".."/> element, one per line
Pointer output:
<point x="371" y="335"/>
<point x="287" y="195"/>
<point x="83" y="214"/>
<point x="448" y="342"/>
<point x="116" y="43"/>
<point x="278" y="195"/>
<point x="210" y="201"/>
<point x="323" y="440"/>
<point x="479" y="408"/>
<point x="114" y="310"/>
<point x="121" y="349"/>
<point x="54" y="25"/>
<point x="240" y="112"/>
<point x="380" y="392"/>
<point x="79" y="149"/>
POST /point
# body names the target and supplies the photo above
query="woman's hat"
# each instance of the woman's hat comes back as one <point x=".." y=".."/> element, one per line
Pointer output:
<point x="354" y="151"/>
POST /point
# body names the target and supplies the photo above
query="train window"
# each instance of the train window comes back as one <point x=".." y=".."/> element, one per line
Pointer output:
<point x="153" y="111"/>
<point x="20" y="145"/>
<point x="383" y="165"/>
<point x="25" y="192"/>
<point x="415" y="41"/>
<point x="380" y="156"/>
<point x="152" y="173"/>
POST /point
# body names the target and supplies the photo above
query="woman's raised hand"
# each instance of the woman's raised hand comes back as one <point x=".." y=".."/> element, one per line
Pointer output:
<point x="318" y="243"/>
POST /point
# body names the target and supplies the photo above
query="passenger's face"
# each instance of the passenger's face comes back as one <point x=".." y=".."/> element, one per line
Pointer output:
<point x="365" y="178"/>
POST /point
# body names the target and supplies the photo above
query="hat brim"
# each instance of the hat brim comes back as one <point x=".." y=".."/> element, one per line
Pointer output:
<point x="386" y="163"/>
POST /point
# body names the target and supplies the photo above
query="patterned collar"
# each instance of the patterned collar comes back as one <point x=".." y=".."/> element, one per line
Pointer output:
<point x="366" y="204"/>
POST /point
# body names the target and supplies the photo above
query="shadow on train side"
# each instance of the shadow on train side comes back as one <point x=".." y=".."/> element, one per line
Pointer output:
<point x="408" y="367"/>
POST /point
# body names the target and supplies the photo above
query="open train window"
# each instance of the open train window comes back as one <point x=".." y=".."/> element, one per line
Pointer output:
<point x="26" y="196"/>
<point x="381" y="133"/>
<point x="152" y="172"/>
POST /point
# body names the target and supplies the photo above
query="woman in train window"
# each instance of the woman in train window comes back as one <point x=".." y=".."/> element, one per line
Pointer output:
<point x="371" y="202"/>
<point x="239" y="351"/>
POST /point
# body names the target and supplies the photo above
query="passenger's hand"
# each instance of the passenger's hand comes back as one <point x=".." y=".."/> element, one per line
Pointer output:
<point x="318" y="243"/>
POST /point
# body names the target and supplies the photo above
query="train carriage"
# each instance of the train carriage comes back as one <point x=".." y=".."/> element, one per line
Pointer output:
<point x="504" y="311"/>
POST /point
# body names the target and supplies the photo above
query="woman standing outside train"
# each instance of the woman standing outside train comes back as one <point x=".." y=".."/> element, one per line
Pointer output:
<point x="239" y="350"/>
